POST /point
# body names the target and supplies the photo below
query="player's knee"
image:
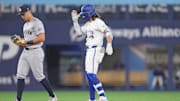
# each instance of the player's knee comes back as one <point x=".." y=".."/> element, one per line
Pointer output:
<point x="92" y="77"/>
<point x="39" y="78"/>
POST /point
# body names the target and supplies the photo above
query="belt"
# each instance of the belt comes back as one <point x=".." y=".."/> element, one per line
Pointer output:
<point x="31" y="48"/>
<point x="91" y="47"/>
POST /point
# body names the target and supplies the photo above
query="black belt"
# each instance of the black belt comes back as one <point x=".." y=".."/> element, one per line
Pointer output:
<point x="91" y="47"/>
<point x="30" y="48"/>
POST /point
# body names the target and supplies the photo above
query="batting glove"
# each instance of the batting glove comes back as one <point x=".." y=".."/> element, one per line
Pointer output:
<point x="109" y="49"/>
<point x="75" y="16"/>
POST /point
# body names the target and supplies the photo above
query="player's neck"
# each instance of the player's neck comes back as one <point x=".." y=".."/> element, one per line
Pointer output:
<point x="91" y="20"/>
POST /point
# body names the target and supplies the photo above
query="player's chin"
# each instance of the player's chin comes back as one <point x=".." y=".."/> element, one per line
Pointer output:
<point x="24" y="19"/>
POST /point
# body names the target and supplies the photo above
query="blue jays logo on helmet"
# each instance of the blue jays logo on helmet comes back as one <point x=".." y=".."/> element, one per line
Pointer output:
<point x="87" y="11"/>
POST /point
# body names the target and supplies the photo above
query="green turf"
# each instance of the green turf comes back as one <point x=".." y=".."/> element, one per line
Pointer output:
<point x="83" y="96"/>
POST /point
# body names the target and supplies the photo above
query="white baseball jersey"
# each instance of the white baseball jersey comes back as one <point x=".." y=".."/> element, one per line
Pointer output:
<point x="94" y="37"/>
<point x="32" y="58"/>
<point x="94" y="32"/>
<point x="32" y="29"/>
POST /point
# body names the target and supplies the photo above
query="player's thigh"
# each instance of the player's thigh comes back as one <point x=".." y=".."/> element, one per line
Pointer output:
<point x="160" y="80"/>
<point x="98" y="57"/>
<point x="100" y="51"/>
<point x="155" y="79"/>
<point x="36" y="65"/>
<point x="22" y="68"/>
<point x="91" y="65"/>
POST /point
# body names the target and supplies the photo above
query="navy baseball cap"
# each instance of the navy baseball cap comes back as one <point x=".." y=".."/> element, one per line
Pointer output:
<point x="22" y="9"/>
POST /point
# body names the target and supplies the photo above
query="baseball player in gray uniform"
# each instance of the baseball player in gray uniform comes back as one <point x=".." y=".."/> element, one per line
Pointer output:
<point x="33" y="55"/>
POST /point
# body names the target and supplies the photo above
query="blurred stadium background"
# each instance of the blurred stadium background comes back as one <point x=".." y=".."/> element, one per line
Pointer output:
<point x="146" y="41"/>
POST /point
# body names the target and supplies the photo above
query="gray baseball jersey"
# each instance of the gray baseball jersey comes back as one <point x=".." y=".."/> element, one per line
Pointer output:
<point x="32" y="29"/>
<point x="32" y="58"/>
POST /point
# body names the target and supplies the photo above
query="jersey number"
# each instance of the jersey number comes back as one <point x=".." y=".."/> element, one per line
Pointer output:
<point x="90" y="34"/>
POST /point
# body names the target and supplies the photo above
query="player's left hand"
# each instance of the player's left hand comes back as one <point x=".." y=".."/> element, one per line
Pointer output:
<point x="75" y="16"/>
<point x="109" y="49"/>
<point x="18" y="40"/>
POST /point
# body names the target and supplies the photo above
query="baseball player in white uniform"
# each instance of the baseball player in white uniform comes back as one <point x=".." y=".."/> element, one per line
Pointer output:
<point x="32" y="56"/>
<point x="95" y="29"/>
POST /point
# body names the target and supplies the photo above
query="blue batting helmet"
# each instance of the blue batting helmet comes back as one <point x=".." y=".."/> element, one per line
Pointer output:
<point x="87" y="11"/>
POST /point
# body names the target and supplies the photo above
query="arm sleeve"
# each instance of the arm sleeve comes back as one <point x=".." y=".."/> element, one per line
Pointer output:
<point x="39" y="28"/>
<point x="102" y="26"/>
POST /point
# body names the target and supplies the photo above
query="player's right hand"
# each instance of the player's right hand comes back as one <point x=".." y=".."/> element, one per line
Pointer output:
<point x="75" y="16"/>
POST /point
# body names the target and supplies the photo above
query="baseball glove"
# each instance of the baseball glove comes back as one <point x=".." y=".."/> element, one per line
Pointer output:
<point x="17" y="39"/>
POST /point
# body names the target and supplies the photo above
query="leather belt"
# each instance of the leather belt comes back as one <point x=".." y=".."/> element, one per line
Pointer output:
<point x="91" y="47"/>
<point x="30" y="48"/>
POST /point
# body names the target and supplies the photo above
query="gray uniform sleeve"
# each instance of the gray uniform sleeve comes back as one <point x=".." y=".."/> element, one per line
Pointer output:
<point x="39" y="27"/>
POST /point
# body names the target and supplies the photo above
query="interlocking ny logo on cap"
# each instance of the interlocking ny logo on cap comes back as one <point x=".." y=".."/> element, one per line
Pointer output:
<point x="20" y="9"/>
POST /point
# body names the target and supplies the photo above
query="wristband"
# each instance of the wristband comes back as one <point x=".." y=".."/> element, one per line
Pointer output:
<point x="109" y="44"/>
<point x="30" y="42"/>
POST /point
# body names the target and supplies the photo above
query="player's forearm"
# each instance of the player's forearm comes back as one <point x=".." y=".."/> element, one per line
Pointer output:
<point x="109" y="39"/>
<point x="77" y="28"/>
<point x="109" y="36"/>
<point x="40" y="38"/>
